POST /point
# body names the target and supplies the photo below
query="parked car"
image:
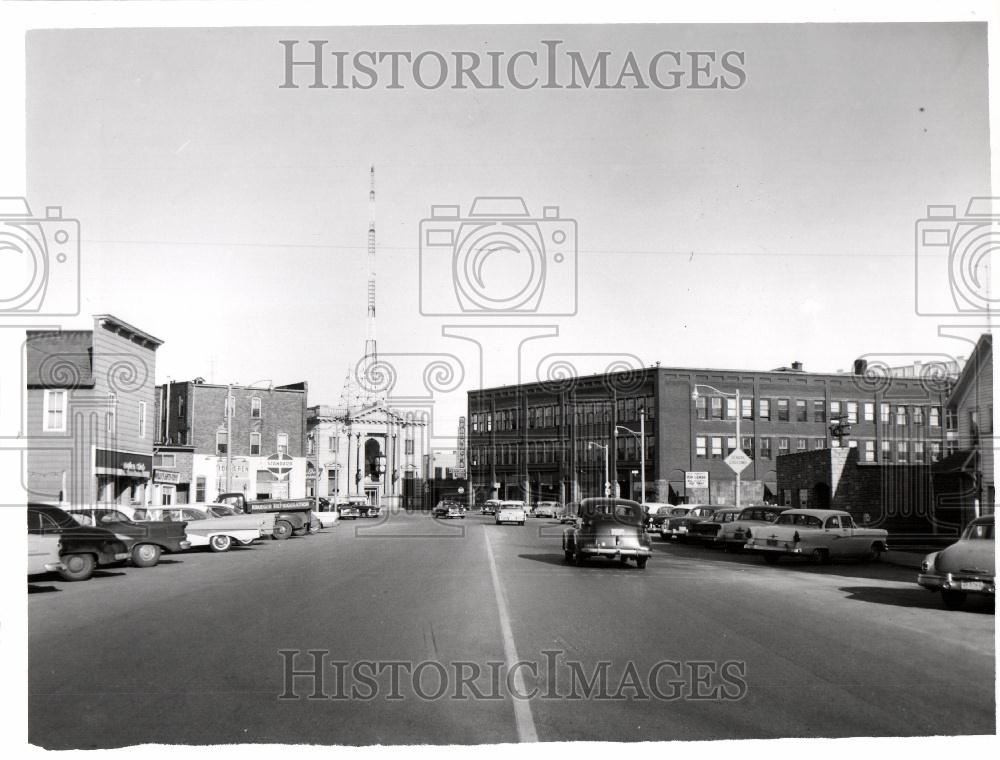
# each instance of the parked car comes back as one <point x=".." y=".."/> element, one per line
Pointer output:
<point x="449" y="510"/>
<point x="146" y="541"/>
<point x="656" y="513"/>
<point x="490" y="506"/>
<point x="679" y="523"/>
<point x="349" y="508"/>
<point x="966" y="567"/>
<point x="326" y="513"/>
<point x="610" y="528"/>
<point x="218" y="533"/>
<point x="548" y="509"/>
<point x="708" y="531"/>
<point x="44" y="552"/>
<point x="511" y="511"/>
<point x="83" y="549"/>
<point x="818" y="534"/>
<point x="734" y="534"/>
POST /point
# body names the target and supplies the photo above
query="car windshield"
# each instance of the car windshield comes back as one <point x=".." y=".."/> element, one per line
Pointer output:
<point x="679" y="512"/>
<point x="59" y="517"/>
<point x="222" y="511"/>
<point x="622" y="511"/>
<point x="806" y="521"/>
<point x="112" y="516"/>
<point x="979" y="530"/>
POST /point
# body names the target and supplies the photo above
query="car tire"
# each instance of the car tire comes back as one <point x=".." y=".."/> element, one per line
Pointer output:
<point x="77" y="567"/>
<point x="220" y="543"/>
<point x="771" y="558"/>
<point x="953" y="600"/>
<point x="641" y="562"/>
<point x="282" y="530"/>
<point x="623" y="561"/>
<point x="247" y="542"/>
<point x="874" y="553"/>
<point x="145" y="555"/>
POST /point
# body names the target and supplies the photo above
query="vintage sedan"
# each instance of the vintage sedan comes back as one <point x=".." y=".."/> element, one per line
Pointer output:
<point x="449" y="510"/>
<point x="966" y="567"/>
<point x="656" y="514"/>
<point x="820" y="535"/>
<point x="82" y="549"/>
<point x="326" y="513"/>
<point x="490" y="506"/>
<point x="708" y="531"/>
<point x="217" y="533"/>
<point x="146" y="541"/>
<point x="349" y="508"/>
<point x="511" y="512"/>
<point x="681" y="520"/>
<point x="609" y="528"/>
<point x="549" y="509"/>
<point x="734" y="534"/>
<point x="44" y="553"/>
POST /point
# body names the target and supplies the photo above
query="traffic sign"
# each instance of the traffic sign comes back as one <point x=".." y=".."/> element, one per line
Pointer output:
<point x="696" y="479"/>
<point x="738" y="461"/>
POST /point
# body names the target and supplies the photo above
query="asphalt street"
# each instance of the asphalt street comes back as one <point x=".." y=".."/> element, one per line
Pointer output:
<point x="415" y="630"/>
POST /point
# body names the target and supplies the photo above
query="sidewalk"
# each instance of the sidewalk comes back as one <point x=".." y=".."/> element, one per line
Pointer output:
<point x="911" y="559"/>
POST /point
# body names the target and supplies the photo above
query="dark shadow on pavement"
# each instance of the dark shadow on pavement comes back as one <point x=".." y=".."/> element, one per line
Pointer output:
<point x="559" y="559"/>
<point x="35" y="589"/>
<point x="915" y="597"/>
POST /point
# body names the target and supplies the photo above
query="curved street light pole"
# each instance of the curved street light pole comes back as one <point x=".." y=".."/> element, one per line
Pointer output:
<point x="641" y="435"/>
<point x="607" y="482"/>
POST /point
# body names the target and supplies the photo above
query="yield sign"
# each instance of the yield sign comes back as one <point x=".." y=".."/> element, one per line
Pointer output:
<point x="738" y="461"/>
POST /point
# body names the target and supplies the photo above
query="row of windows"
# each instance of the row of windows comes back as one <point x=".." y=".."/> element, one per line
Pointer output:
<point x="552" y="452"/>
<point x="333" y="445"/>
<point x="913" y="452"/>
<point x="815" y="410"/>
<point x="54" y="411"/>
<point x="222" y="443"/>
<point x="553" y="415"/>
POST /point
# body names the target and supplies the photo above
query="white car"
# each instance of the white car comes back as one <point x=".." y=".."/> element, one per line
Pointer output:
<point x="511" y="511"/>
<point x="218" y="533"/>
<point x="548" y="509"/>
<point x="43" y="553"/>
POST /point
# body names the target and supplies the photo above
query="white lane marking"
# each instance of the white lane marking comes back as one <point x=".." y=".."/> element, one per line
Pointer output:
<point x="522" y="710"/>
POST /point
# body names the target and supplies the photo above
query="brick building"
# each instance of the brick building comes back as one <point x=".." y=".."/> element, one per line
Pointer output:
<point x="546" y="440"/>
<point x="90" y="413"/>
<point x="255" y="444"/>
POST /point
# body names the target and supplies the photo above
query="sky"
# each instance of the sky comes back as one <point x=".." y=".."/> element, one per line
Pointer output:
<point x="734" y="228"/>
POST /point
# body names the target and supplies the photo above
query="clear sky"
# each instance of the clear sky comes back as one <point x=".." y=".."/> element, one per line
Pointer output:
<point x="745" y="228"/>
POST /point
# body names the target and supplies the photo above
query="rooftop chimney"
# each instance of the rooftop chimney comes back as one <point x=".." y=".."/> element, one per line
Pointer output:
<point x="797" y="366"/>
<point x="860" y="366"/>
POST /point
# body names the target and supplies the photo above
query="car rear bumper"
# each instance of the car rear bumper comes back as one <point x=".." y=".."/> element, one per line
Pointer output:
<point x="616" y="551"/>
<point x="970" y="584"/>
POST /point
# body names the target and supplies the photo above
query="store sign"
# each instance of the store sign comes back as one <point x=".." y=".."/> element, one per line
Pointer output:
<point x="136" y="465"/>
<point x="166" y="476"/>
<point x="696" y="479"/>
<point x="279" y="464"/>
<point x="240" y="468"/>
<point x="460" y="469"/>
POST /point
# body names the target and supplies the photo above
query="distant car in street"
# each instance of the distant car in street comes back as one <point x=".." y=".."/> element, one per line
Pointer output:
<point x="966" y="567"/>
<point x="490" y="506"/>
<point x="678" y="524"/>
<point x="349" y="508"/>
<point x="734" y="534"/>
<point x="820" y="535"/>
<point x="449" y="510"/>
<point x="146" y="541"/>
<point x="83" y="549"/>
<point x="204" y="529"/>
<point x="708" y="531"/>
<point x="511" y="512"/>
<point x="609" y="528"/>
<point x="547" y="509"/>
<point x="656" y="513"/>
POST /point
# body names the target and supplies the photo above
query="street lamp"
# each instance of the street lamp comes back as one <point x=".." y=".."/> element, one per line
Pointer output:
<point x="739" y="414"/>
<point x="641" y="435"/>
<point x="607" y="482"/>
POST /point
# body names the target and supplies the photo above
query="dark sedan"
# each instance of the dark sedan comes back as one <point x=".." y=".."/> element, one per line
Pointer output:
<point x="82" y="549"/>
<point x="145" y="540"/>
<point x="609" y="528"/>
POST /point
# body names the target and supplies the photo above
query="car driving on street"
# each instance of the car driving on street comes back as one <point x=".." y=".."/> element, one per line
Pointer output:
<point x="608" y="528"/>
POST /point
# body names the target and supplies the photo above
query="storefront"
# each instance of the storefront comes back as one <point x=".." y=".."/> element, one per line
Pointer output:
<point x="121" y="477"/>
<point x="165" y="483"/>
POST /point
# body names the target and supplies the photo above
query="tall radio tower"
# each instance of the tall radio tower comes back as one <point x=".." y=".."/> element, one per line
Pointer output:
<point x="371" y="354"/>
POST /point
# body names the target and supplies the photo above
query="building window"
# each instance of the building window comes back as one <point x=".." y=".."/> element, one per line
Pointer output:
<point x="902" y="451"/>
<point x="935" y="451"/>
<point x="112" y="413"/>
<point x="730" y="445"/>
<point x="282" y="443"/>
<point x="918" y="415"/>
<point x="765" y="448"/>
<point x="165" y="460"/>
<point x="701" y="407"/>
<point x="489" y="422"/>
<point x="221" y="442"/>
<point x="918" y="452"/>
<point x="883" y="412"/>
<point x="731" y="408"/>
<point x="782" y="410"/>
<point x="716" y="406"/>
<point x="951" y="419"/>
<point x="801" y="410"/>
<point x="886" y="454"/>
<point x="255" y="407"/>
<point x="819" y="410"/>
<point x="869" y="411"/>
<point x="475" y="423"/>
<point x="764" y="409"/>
<point x="834" y="410"/>
<point x="199" y="490"/>
<point x="142" y="419"/>
<point x="255" y="444"/>
<point x="974" y="423"/>
<point x="819" y="443"/>
<point x="531" y="418"/>
<point x="782" y="446"/>
<point x="747" y="445"/>
<point x="900" y="415"/>
<point x="180" y="407"/>
<point x="852" y="444"/>
<point x="54" y="411"/>
<point x="716" y="447"/>
<point x="700" y="444"/>
<point x="332" y="485"/>
<point x="802" y="444"/>
<point x="935" y="416"/>
<point x="408" y="446"/>
<point x="852" y="412"/>
<point x="746" y="408"/>
<point x="869" y="451"/>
